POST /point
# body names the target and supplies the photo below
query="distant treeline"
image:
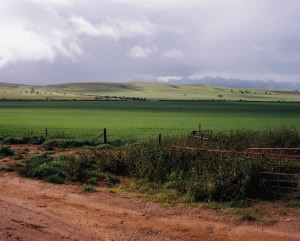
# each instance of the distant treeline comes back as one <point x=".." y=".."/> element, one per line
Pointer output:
<point x="224" y="100"/>
<point x="119" y="98"/>
<point x="113" y="98"/>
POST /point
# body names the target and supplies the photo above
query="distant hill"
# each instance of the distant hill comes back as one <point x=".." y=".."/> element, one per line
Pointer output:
<point x="241" y="83"/>
<point x="150" y="91"/>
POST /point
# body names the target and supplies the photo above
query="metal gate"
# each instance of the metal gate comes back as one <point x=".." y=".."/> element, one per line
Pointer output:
<point x="279" y="167"/>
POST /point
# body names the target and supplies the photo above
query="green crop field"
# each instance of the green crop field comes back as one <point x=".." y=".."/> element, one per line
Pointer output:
<point x="86" y="119"/>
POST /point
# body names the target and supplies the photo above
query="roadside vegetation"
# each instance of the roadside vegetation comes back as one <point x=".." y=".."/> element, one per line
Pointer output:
<point x="6" y="151"/>
<point x="191" y="175"/>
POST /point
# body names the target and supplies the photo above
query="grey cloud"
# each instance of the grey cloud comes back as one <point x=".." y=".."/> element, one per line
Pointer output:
<point x="122" y="40"/>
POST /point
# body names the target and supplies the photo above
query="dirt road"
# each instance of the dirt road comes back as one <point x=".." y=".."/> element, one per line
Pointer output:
<point x="35" y="210"/>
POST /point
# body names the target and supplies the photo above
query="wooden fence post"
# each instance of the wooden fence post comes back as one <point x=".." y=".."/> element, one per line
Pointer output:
<point x="159" y="139"/>
<point x="104" y="134"/>
<point x="46" y="133"/>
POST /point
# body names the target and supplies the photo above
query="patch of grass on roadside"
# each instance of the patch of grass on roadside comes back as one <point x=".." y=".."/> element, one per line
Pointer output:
<point x="147" y="191"/>
<point x="240" y="204"/>
<point x="248" y="217"/>
<point x="55" y="179"/>
<point x="88" y="188"/>
<point x="292" y="204"/>
<point x="19" y="157"/>
<point x="6" y="169"/>
<point x="25" y="151"/>
<point x="214" y="205"/>
<point x="49" y="152"/>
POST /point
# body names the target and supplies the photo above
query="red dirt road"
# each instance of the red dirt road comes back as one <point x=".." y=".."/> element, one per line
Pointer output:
<point x="35" y="210"/>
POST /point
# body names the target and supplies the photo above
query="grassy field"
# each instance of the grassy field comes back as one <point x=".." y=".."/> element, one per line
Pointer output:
<point x="152" y="91"/>
<point x="141" y="119"/>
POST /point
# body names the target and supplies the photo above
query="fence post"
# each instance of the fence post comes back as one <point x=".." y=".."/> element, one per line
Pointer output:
<point x="199" y="127"/>
<point x="46" y="133"/>
<point x="159" y="139"/>
<point x="104" y="134"/>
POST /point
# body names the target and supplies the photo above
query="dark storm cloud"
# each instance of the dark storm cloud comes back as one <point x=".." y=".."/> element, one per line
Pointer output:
<point x="44" y="42"/>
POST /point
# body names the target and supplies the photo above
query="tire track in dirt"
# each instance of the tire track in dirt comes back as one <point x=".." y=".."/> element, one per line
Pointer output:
<point x="35" y="210"/>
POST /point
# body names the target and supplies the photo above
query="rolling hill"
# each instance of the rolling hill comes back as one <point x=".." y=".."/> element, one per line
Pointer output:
<point x="150" y="91"/>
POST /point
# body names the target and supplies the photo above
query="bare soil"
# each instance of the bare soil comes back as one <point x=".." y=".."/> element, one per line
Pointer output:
<point x="36" y="210"/>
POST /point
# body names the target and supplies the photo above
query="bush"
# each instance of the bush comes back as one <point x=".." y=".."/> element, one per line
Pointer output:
<point x="292" y="204"/>
<point x="241" y="140"/>
<point x="55" y="179"/>
<point x="6" y="169"/>
<point x="35" y="140"/>
<point x="78" y="168"/>
<point x="13" y="141"/>
<point x="19" y="157"/>
<point x="240" y="204"/>
<point x="65" y="143"/>
<point x="6" y="151"/>
<point x="29" y="165"/>
<point x="85" y="167"/>
<point x="88" y="189"/>
<point x="201" y="175"/>
<point x="48" y="169"/>
<point x="195" y="174"/>
<point x="248" y="217"/>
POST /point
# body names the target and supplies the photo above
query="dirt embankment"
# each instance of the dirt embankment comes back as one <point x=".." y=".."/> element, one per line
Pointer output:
<point x="35" y="210"/>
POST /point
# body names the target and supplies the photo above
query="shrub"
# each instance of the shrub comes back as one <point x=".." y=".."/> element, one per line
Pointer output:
<point x="201" y="175"/>
<point x="88" y="189"/>
<point x="29" y="165"/>
<point x="25" y="151"/>
<point x="48" y="169"/>
<point x="248" y="217"/>
<point x="92" y="181"/>
<point x="241" y="140"/>
<point x="292" y="204"/>
<point x="50" y="145"/>
<point x="60" y="169"/>
<point x="19" y="157"/>
<point x="6" y="169"/>
<point x="6" y="151"/>
<point x="66" y="143"/>
<point x="111" y="162"/>
<point x="35" y="140"/>
<point x="13" y="140"/>
<point x="55" y="179"/>
<point x="77" y="167"/>
<point x="198" y="175"/>
<point x="240" y="204"/>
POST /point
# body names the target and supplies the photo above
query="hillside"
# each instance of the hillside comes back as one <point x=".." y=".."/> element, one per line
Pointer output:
<point x="152" y="91"/>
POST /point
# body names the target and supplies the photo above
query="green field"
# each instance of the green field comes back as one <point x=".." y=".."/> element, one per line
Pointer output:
<point x="140" y="119"/>
<point x="151" y="91"/>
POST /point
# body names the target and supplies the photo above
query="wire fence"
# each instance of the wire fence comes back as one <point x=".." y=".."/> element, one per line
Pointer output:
<point x="52" y="133"/>
<point x="92" y="133"/>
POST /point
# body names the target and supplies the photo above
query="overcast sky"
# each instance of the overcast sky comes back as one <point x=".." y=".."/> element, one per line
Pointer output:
<point x="55" y="41"/>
